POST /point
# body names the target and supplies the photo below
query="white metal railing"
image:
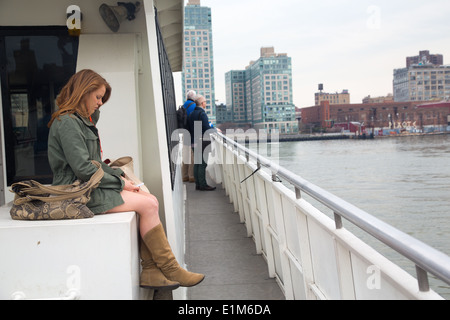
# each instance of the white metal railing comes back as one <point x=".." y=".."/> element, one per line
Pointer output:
<point x="310" y="255"/>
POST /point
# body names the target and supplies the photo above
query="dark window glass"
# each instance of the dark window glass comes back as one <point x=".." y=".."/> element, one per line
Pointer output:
<point x="36" y="62"/>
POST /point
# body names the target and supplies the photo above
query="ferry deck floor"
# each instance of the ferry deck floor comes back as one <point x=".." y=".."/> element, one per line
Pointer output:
<point x="217" y="245"/>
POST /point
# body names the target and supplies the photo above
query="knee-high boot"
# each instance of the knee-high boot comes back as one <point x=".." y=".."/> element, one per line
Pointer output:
<point x="151" y="276"/>
<point x="162" y="254"/>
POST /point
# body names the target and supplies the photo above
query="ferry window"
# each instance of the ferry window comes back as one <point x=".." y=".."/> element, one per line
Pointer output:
<point x="35" y="63"/>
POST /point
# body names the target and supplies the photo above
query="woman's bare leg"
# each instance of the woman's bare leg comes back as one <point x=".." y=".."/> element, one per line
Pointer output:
<point x="145" y="204"/>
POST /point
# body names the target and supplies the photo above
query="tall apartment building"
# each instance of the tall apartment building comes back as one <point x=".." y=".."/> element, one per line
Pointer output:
<point x="236" y="96"/>
<point x="262" y="93"/>
<point x="198" y="71"/>
<point x="424" y="79"/>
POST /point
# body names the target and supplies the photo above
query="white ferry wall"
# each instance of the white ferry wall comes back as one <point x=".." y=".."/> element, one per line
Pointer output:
<point x="133" y="121"/>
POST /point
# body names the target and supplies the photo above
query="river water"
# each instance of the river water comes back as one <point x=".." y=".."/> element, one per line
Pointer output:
<point x="404" y="181"/>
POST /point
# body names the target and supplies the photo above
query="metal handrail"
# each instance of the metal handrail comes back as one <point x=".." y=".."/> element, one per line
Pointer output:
<point x="426" y="258"/>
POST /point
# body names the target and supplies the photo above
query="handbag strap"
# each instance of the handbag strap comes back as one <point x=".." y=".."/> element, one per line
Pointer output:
<point x="33" y="192"/>
<point x="92" y="183"/>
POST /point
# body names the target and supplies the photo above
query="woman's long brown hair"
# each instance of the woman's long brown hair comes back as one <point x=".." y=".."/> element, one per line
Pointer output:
<point x="80" y="85"/>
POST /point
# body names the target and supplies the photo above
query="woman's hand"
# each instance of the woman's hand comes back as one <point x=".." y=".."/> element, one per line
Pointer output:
<point x="129" y="186"/>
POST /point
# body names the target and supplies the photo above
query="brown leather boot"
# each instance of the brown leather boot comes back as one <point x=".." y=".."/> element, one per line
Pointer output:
<point x="151" y="276"/>
<point x="164" y="258"/>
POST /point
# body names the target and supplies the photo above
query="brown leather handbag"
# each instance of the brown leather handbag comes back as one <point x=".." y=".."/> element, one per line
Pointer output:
<point x="34" y="201"/>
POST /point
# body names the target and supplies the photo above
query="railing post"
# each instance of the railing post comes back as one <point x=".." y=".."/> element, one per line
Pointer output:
<point x="422" y="279"/>
<point x="298" y="194"/>
<point x="337" y="221"/>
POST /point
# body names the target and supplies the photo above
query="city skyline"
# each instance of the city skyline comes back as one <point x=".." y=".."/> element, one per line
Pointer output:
<point x="344" y="44"/>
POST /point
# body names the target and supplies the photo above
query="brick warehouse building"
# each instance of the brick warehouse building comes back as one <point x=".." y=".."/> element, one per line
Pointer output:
<point x="376" y="117"/>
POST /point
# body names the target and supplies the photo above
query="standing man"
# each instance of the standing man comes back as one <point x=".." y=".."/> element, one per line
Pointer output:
<point x="199" y="128"/>
<point x="188" y="155"/>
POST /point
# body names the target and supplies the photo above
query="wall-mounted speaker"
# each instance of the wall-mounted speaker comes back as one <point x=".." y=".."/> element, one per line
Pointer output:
<point x="115" y="15"/>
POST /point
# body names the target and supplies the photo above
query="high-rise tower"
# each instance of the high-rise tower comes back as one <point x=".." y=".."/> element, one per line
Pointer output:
<point x="198" y="71"/>
<point x="261" y="95"/>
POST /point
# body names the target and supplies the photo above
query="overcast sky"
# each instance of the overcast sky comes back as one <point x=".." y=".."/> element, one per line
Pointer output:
<point x="344" y="44"/>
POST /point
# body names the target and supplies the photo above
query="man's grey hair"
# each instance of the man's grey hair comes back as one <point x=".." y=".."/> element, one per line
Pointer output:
<point x="191" y="94"/>
<point x="199" y="99"/>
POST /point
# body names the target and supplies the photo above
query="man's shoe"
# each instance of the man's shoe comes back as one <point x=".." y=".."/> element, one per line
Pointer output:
<point x="207" y="188"/>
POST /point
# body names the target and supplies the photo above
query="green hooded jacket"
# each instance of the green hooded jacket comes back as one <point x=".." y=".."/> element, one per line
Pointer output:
<point x="73" y="142"/>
